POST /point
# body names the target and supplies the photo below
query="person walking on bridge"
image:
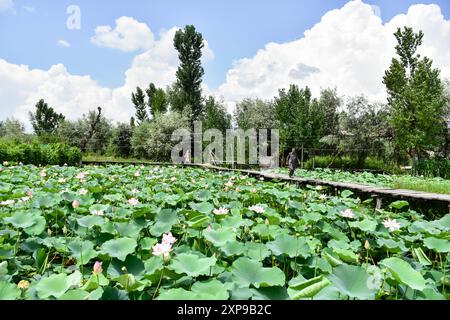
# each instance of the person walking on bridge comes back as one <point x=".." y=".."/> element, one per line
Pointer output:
<point x="292" y="160"/>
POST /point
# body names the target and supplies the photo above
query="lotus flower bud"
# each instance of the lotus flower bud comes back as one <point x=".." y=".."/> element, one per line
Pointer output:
<point x="23" y="284"/>
<point x="367" y="245"/>
<point x="97" y="269"/>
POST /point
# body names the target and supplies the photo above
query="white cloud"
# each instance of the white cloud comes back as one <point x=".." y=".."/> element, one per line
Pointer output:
<point x="128" y="35"/>
<point x="350" y="48"/>
<point x="72" y="95"/>
<point x="6" y="5"/>
<point x="63" y="43"/>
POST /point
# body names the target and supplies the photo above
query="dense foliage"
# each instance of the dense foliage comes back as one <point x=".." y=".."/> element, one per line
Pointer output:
<point x="168" y="233"/>
<point x="40" y="154"/>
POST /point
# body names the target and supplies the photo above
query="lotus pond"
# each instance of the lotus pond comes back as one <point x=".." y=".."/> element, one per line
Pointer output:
<point x="418" y="183"/>
<point x="126" y="232"/>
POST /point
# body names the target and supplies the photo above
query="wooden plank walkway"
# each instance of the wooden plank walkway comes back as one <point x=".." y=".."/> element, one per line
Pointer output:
<point x="372" y="191"/>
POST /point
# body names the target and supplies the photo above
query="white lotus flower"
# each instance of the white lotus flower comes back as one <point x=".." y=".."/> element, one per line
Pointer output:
<point x="220" y="211"/>
<point x="348" y="213"/>
<point x="323" y="197"/>
<point x="81" y="175"/>
<point x="133" y="201"/>
<point x="98" y="212"/>
<point x="392" y="225"/>
<point x="83" y="192"/>
<point x="257" y="209"/>
<point x="7" y="202"/>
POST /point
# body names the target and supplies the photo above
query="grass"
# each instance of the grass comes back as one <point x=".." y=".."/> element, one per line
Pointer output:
<point x="435" y="185"/>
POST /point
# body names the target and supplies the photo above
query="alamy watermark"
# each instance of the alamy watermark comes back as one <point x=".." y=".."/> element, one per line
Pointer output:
<point x="73" y="22"/>
<point x="209" y="146"/>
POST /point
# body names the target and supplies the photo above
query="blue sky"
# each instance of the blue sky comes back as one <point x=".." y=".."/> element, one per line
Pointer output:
<point x="234" y="29"/>
<point x="255" y="48"/>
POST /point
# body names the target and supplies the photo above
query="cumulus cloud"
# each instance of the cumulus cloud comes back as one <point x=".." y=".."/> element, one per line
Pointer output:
<point x="128" y="35"/>
<point x="73" y="95"/>
<point x="6" y="5"/>
<point x="63" y="43"/>
<point x="350" y="48"/>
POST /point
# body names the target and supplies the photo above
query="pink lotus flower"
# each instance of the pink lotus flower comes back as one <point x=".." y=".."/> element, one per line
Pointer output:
<point x="257" y="209"/>
<point x="137" y="174"/>
<point x="83" y="192"/>
<point x="30" y="193"/>
<point x="209" y="228"/>
<point x="43" y="174"/>
<point x="75" y="204"/>
<point x="135" y="191"/>
<point x="169" y="238"/>
<point x="323" y="197"/>
<point x="97" y="269"/>
<point x="81" y="175"/>
<point x="253" y="190"/>
<point x="133" y="201"/>
<point x="229" y="184"/>
<point x="220" y="211"/>
<point x="348" y="213"/>
<point x="193" y="181"/>
<point x="162" y="249"/>
<point x="392" y="225"/>
<point x="227" y="189"/>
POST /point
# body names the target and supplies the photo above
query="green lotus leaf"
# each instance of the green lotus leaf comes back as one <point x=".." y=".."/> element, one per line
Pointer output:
<point x="165" y="219"/>
<point x="9" y="291"/>
<point x="247" y="272"/>
<point x="90" y="221"/>
<point x="53" y="286"/>
<point x="436" y="244"/>
<point x="192" y="264"/>
<point x="82" y="250"/>
<point x="290" y="245"/>
<point x="352" y="281"/>
<point x="404" y="273"/>
<point x="220" y="236"/>
<point x="119" y="248"/>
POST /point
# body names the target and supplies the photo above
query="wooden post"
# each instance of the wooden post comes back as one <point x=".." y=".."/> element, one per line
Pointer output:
<point x="302" y="155"/>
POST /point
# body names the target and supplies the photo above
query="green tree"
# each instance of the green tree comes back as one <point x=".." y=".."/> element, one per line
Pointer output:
<point x="157" y="100"/>
<point x="12" y="129"/>
<point x="215" y="116"/>
<point x="45" y="120"/>
<point x="415" y="96"/>
<point x="364" y="129"/>
<point x="293" y="111"/>
<point x="122" y="139"/>
<point x="152" y="140"/>
<point x="138" y="100"/>
<point x="189" y="44"/>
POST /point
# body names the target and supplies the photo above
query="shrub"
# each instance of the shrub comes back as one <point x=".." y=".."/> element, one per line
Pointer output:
<point x="344" y="163"/>
<point x="433" y="168"/>
<point x="40" y="154"/>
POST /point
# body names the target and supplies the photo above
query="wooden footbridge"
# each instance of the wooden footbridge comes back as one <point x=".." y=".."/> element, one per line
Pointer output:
<point x="416" y="198"/>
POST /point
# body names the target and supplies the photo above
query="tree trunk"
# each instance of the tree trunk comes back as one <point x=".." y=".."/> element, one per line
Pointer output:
<point x="91" y="131"/>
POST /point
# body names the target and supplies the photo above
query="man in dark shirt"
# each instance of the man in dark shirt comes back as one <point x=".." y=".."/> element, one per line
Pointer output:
<point x="292" y="161"/>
